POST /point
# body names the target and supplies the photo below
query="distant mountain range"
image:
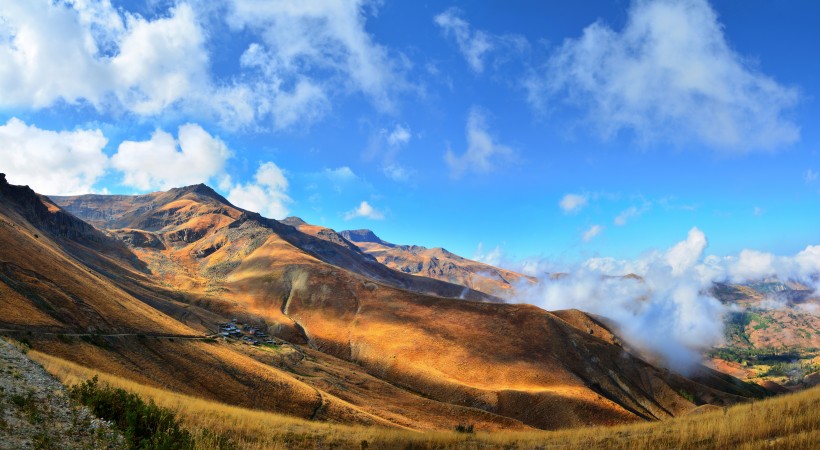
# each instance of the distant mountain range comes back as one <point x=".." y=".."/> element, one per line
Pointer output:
<point x="341" y="327"/>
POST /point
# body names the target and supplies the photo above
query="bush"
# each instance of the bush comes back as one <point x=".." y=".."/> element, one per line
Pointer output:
<point x="461" y="428"/>
<point x="144" y="425"/>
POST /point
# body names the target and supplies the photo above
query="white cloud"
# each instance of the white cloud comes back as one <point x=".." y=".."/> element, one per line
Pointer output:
<point x="476" y="45"/>
<point x="683" y="255"/>
<point x="299" y="39"/>
<point x="631" y="213"/>
<point x="399" y="136"/>
<point x="482" y="149"/>
<point x="267" y="195"/>
<point x="164" y="162"/>
<point x="591" y="232"/>
<point x="472" y="44"/>
<point x="669" y="75"/>
<point x="572" y="203"/>
<point x="492" y="257"/>
<point x="301" y="55"/>
<point x="386" y="145"/>
<point x="366" y="211"/>
<point x="752" y="265"/>
<point x="397" y="172"/>
<point x="340" y="174"/>
<point x="160" y="61"/>
<point x="52" y="162"/>
<point x="664" y="313"/>
<point x="99" y="55"/>
<point x="669" y="310"/>
<point x="810" y="176"/>
<point x="758" y="211"/>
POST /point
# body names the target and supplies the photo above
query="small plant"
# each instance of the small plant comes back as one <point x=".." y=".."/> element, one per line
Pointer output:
<point x="687" y="396"/>
<point x="145" y="425"/>
<point x="28" y="405"/>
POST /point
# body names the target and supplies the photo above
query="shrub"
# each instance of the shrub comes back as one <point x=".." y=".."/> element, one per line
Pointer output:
<point x="461" y="428"/>
<point x="144" y="425"/>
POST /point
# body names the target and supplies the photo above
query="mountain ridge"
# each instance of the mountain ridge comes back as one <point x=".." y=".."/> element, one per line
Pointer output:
<point x="440" y="264"/>
<point x="353" y="343"/>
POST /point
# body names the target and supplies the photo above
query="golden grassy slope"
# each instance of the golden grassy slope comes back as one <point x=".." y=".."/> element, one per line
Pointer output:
<point x="787" y="422"/>
<point x="428" y="361"/>
<point x="513" y="360"/>
<point x="45" y="286"/>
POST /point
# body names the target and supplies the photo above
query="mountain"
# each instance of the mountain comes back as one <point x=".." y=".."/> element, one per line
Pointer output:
<point x="142" y="294"/>
<point x="440" y="264"/>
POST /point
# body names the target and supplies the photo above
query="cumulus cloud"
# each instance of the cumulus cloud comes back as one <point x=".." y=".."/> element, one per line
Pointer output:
<point x="366" y="211"/>
<point x="163" y="162"/>
<point x="591" y="232"/>
<point x="572" y="203"/>
<point x="100" y="55"/>
<point x="668" y="309"/>
<point x="267" y="195"/>
<point x="482" y="150"/>
<point x="475" y="45"/>
<point x="298" y="40"/>
<point x="300" y="56"/>
<point x="52" y="162"/>
<point x="669" y="75"/>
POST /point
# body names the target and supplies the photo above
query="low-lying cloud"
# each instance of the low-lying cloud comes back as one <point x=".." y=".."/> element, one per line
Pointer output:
<point x="662" y="302"/>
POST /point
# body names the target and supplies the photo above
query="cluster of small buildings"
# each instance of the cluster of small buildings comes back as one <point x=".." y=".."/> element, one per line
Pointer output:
<point x="247" y="333"/>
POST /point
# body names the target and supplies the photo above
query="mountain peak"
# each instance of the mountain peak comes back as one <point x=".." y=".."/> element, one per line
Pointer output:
<point x="362" y="236"/>
<point x="199" y="189"/>
<point x="293" y="221"/>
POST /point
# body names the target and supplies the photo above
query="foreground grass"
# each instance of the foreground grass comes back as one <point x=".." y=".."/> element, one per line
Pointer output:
<point x="787" y="422"/>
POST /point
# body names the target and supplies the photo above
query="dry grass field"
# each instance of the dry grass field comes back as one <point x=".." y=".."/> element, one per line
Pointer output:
<point x="786" y="422"/>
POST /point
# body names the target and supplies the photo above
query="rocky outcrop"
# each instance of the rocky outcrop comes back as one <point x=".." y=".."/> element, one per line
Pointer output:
<point x="35" y="411"/>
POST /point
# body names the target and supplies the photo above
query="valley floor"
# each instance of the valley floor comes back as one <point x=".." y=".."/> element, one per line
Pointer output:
<point x="787" y="422"/>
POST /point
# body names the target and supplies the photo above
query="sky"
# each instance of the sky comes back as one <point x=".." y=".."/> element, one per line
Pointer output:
<point x="503" y="131"/>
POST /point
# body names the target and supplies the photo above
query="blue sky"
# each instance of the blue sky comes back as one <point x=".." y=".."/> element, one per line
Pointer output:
<point x="539" y="129"/>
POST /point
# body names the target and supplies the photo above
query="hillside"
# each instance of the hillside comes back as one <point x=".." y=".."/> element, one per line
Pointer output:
<point x="436" y="263"/>
<point x="35" y="411"/>
<point x="351" y="340"/>
<point x="774" y="336"/>
<point x="785" y="422"/>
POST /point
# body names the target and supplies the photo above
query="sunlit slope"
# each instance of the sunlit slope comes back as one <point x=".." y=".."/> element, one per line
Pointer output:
<point x="44" y="286"/>
<point x="785" y="422"/>
<point x="514" y="360"/>
<point x="65" y="308"/>
<point x="437" y="263"/>
<point x="444" y="357"/>
<point x="192" y="237"/>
